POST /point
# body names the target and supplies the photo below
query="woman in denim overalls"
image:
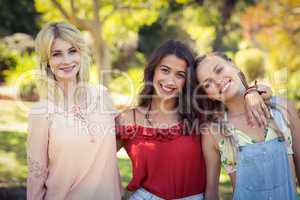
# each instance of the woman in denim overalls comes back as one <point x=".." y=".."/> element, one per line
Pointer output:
<point x="259" y="160"/>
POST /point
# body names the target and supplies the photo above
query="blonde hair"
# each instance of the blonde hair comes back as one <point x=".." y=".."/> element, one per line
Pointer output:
<point x="43" y="44"/>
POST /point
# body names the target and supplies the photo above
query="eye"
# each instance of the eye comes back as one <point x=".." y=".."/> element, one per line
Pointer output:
<point x="72" y="51"/>
<point x="56" y="54"/>
<point x="207" y="84"/>
<point x="219" y="69"/>
<point x="181" y="75"/>
<point x="164" y="70"/>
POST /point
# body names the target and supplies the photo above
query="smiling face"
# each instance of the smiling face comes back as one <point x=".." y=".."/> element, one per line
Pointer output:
<point x="64" y="60"/>
<point x="169" y="76"/>
<point x="219" y="78"/>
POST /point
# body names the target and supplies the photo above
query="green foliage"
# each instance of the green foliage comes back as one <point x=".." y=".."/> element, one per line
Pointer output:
<point x="151" y="37"/>
<point x="13" y="169"/>
<point x="197" y="25"/>
<point x="25" y="64"/>
<point x="181" y="20"/>
<point x="125" y="23"/>
<point x="18" y="16"/>
<point x="276" y="31"/>
<point x="8" y="60"/>
<point x="128" y="83"/>
<point x="23" y="76"/>
<point x="251" y="62"/>
<point x="294" y="85"/>
<point x="120" y="19"/>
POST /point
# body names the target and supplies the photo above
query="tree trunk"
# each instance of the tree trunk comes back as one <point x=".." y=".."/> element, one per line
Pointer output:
<point x="226" y="10"/>
<point x="102" y="60"/>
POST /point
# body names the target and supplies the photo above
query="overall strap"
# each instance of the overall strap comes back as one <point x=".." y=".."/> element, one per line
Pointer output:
<point x="281" y="123"/>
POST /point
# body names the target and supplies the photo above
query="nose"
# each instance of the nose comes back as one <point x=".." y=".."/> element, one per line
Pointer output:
<point x="217" y="81"/>
<point x="66" y="59"/>
<point x="171" y="80"/>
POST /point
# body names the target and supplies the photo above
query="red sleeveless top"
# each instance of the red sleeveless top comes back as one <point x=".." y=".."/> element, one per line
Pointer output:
<point x="164" y="161"/>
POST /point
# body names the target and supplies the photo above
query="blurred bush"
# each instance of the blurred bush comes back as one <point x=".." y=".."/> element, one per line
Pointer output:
<point x="129" y="82"/>
<point x="251" y="62"/>
<point x="24" y="77"/>
<point x="18" y="16"/>
<point x="8" y="60"/>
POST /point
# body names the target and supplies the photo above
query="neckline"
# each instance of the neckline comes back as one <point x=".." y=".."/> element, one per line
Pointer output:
<point x="60" y="110"/>
<point x="266" y="131"/>
<point x="253" y="140"/>
<point x="172" y="126"/>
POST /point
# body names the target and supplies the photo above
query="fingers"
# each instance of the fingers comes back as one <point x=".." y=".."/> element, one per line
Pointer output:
<point x="266" y="110"/>
<point x="263" y="117"/>
<point x="266" y="96"/>
<point x="251" y="117"/>
<point x="257" y="111"/>
<point x="257" y="117"/>
<point x="263" y="114"/>
<point x="249" y="122"/>
<point x="265" y="92"/>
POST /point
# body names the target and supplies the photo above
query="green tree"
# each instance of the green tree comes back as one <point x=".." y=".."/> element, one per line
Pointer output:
<point x="212" y="25"/>
<point x="275" y="29"/>
<point x="109" y="22"/>
<point x="18" y="16"/>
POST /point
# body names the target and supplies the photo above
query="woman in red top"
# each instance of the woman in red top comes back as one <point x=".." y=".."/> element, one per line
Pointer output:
<point x="166" y="163"/>
<point x="159" y="136"/>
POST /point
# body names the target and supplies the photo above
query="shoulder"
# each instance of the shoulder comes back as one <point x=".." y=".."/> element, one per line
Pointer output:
<point x="99" y="88"/>
<point x="282" y="102"/>
<point x="38" y="116"/>
<point x="101" y="97"/>
<point x="126" y="117"/>
<point x="95" y="91"/>
<point x="41" y="108"/>
<point x="210" y="134"/>
<point x="286" y="106"/>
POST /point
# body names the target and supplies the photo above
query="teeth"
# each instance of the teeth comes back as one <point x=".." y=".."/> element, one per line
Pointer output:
<point x="225" y="86"/>
<point x="167" y="89"/>
<point x="67" y="69"/>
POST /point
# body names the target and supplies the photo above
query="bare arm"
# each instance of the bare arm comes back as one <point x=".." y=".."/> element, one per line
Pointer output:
<point x="213" y="166"/>
<point x="37" y="156"/>
<point x="290" y="111"/>
<point x="123" y="119"/>
<point x="295" y="129"/>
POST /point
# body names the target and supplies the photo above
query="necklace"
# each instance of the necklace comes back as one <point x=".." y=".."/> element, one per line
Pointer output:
<point x="152" y="122"/>
<point x="82" y="116"/>
<point x="236" y="115"/>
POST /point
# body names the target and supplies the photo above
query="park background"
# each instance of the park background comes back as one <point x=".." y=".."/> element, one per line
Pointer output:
<point x="262" y="37"/>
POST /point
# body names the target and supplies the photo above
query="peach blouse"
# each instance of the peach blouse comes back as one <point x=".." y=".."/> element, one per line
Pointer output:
<point x="72" y="155"/>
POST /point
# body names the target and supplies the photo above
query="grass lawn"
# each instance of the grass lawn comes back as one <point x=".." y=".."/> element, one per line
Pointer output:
<point x="13" y="168"/>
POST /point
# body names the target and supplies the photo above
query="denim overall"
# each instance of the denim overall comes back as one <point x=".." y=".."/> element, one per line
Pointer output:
<point x="263" y="170"/>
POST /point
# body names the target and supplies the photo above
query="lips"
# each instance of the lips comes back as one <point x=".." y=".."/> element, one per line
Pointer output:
<point x="67" y="69"/>
<point x="167" y="88"/>
<point x="225" y="86"/>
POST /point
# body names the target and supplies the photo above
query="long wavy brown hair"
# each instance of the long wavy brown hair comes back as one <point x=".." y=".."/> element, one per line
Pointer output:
<point x="183" y="100"/>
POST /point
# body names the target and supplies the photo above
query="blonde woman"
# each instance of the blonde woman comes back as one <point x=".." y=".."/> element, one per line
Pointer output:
<point x="71" y="143"/>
